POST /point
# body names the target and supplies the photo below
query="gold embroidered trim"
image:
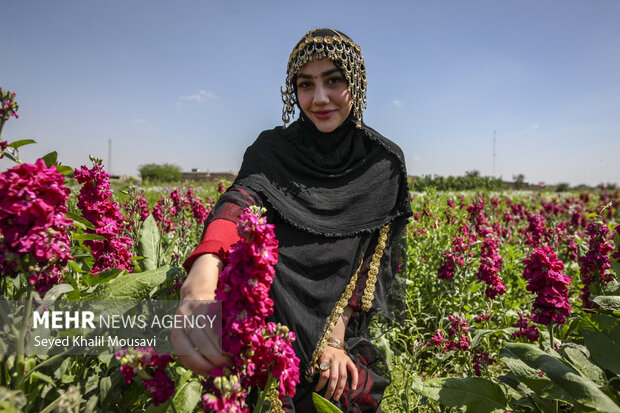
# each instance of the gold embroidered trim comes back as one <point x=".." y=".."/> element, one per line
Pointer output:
<point x="367" y="298"/>
<point x="330" y="323"/>
<point x="369" y="290"/>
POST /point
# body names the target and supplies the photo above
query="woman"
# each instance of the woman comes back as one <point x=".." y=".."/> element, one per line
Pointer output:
<point x="337" y="193"/>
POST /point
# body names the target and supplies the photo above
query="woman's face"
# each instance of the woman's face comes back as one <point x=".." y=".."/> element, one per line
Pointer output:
<point x="323" y="94"/>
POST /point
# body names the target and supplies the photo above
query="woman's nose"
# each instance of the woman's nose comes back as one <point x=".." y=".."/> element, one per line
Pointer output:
<point x="320" y="95"/>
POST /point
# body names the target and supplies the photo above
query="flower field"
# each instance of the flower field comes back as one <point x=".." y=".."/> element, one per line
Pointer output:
<point x="511" y="299"/>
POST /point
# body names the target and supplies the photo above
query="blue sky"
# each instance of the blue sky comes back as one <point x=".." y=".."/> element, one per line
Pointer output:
<point x="194" y="82"/>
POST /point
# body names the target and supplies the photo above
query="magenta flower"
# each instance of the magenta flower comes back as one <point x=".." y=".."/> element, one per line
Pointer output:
<point x="537" y="231"/>
<point x="457" y="338"/>
<point x="490" y="265"/>
<point x="526" y="329"/>
<point x="34" y="236"/>
<point x="595" y="264"/>
<point x="481" y="361"/>
<point x="543" y="271"/>
<point x="150" y="366"/>
<point x="259" y="350"/>
<point x="97" y="206"/>
<point x="8" y="106"/>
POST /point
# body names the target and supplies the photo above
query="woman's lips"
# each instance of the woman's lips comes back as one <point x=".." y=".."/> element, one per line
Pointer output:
<point x="324" y="114"/>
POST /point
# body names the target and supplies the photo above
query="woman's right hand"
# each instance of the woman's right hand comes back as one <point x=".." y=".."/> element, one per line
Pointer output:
<point x="199" y="349"/>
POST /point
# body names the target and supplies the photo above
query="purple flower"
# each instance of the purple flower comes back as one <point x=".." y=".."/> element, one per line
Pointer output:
<point x="258" y="349"/>
<point x="146" y="363"/>
<point x="543" y="271"/>
<point x="595" y="264"/>
<point x="527" y="330"/>
<point x="97" y="206"/>
<point x="33" y="224"/>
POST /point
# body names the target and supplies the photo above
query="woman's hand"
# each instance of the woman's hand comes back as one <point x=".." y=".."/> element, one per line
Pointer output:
<point x="339" y="363"/>
<point x="199" y="349"/>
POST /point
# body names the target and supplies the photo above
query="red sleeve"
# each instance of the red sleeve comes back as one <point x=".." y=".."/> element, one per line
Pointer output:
<point x="220" y="235"/>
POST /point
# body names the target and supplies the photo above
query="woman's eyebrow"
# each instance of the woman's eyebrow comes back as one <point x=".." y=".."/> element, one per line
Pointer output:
<point x="326" y="73"/>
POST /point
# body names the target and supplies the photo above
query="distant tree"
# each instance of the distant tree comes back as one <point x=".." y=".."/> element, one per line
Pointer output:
<point x="562" y="187"/>
<point x="519" y="181"/>
<point x="160" y="173"/>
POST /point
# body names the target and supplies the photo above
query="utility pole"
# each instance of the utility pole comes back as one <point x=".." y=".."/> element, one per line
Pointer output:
<point x="494" y="154"/>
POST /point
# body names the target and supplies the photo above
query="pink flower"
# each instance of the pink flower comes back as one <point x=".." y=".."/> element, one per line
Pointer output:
<point x="456" y="339"/>
<point x="543" y="271"/>
<point x="33" y="225"/>
<point x="490" y="265"/>
<point x="97" y="206"/>
<point x="481" y="361"/>
<point x="152" y="365"/>
<point x="595" y="264"/>
<point x="8" y="106"/>
<point x="258" y="348"/>
<point x="527" y="330"/>
<point x="537" y="230"/>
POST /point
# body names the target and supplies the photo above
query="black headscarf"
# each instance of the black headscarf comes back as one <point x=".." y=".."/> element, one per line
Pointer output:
<point x="341" y="183"/>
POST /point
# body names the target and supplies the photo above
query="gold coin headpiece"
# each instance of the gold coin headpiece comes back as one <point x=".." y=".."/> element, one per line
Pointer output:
<point x="340" y="49"/>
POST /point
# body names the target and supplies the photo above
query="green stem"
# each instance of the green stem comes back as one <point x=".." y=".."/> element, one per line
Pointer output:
<point x="550" y="327"/>
<point x="262" y="395"/>
<point x="21" y="340"/>
<point x="50" y="407"/>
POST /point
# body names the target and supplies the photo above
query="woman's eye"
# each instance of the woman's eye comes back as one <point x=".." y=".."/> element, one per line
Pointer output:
<point x="303" y="85"/>
<point x="335" y="80"/>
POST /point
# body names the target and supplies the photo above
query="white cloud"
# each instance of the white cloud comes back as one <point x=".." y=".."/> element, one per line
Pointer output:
<point x="417" y="158"/>
<point x="202" y="96"/>
<point x="535" y="126"/>
<point x="139" y="121"/>
<point x="398" y="103"/>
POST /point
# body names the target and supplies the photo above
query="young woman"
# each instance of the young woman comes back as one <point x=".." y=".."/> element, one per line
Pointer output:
<point x="337" y="193"/>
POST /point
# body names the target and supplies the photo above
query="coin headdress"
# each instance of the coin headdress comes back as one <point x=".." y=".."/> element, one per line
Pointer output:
<point x="340" y="49"/>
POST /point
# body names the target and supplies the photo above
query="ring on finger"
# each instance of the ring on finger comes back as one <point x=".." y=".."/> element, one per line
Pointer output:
<point x="324" y="366"/>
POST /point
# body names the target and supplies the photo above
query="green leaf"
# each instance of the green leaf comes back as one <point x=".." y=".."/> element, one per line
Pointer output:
<point x="11" y="157"/>
<point x="608" y="302"/>
<point x="585" y="392"/>
<point x="80" y="221"/>
<point x="88" y="237"/>
<point x="187" y="397"/>
<point x="50" y="158"/>
<point x="56" y="291"/>
<point x="38" y="375"/>
<point x="91" y="404"/>
<point x="541" y="385"/>
<point x="323" y="405"/>
<point x="475" y="393"/>
<point x="102" y="277"/>
<point x="603" y="350"/>
<point x="20" y="143"/>
<point x="64" y="169"/>
<point x="105" y="384"/>
<point x="578" y="356"/>
<point x="148" y="244"/>
<point x="75" y="267"/>
<point x="129" y="286"/>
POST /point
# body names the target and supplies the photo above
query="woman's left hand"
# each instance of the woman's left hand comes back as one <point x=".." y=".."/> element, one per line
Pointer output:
<point x="339" y="362"/>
